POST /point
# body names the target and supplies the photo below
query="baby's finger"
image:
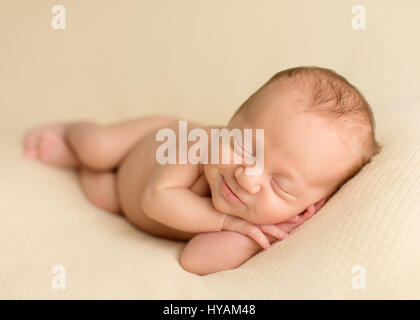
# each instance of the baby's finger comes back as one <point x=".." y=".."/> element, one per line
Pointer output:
<point x="287" y="227"/>
<point x="259" y="237"/>
<point x="274" y="231"/>
<point x="308" y="214"/>
<point x="293" y="219"/>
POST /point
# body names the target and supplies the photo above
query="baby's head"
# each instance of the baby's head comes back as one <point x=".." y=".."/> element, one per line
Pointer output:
<point x="319" y="131"/>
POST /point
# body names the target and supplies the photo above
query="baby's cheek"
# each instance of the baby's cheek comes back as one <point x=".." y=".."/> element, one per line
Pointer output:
<point x="273" y="212"/>
<point x="220" y="206"/>
<point x="281" y="210"/>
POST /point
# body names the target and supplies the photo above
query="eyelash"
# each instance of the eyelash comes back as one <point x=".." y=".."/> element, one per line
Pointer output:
<point x="272" y="180"/>
<point x="281" y="189"/>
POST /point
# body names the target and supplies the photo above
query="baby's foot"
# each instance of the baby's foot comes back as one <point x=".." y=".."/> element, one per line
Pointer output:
<point x="47" y="144"/>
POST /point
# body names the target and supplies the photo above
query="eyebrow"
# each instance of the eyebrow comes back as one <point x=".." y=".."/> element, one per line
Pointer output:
<point x="291" y="177"/>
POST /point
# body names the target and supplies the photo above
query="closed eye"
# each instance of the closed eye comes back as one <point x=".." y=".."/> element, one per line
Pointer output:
<point x="276" y="186"/>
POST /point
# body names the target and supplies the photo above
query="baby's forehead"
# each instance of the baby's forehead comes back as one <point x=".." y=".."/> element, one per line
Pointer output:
<point x="307" y="137"/>
<point x="277" y="107"/>
<point x="274" y="119"/>
<point x="287" y="121"/>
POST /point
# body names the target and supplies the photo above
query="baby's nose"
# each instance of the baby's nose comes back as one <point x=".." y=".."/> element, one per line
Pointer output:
<point x="248" y="182"/>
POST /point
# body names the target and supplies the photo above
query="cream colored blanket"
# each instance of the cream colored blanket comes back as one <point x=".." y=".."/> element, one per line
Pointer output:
<point x="200" y="60"/>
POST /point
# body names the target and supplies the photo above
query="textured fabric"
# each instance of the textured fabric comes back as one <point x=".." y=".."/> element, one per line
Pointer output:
<point x="201" y="60"/>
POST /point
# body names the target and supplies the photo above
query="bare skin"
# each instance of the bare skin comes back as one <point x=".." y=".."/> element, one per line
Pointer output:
<point x="108" y="159"/>
<point x="119" y="173"/>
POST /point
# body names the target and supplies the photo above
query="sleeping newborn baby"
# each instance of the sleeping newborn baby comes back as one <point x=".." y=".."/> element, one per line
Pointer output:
<point x="318" y="132"/>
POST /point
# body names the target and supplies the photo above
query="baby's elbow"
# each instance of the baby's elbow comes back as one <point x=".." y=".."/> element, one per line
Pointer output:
<point x="196" y="259"/>
<point x="192" y="263"/>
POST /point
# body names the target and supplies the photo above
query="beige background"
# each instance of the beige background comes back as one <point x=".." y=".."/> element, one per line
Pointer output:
<point x="190" y="58"/>
<point x="200" y="60"/>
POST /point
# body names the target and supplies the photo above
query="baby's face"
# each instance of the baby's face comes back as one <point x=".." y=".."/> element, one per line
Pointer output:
<point x="303" y="159"/>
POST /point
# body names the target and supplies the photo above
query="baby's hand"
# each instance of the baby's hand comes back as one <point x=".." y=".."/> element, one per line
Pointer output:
<point x="253" y="231"/>
<point x="279" y="231"/>
<point x="289" y="224"/>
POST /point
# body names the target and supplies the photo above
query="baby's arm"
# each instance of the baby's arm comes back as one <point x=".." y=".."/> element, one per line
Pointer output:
<point x="217" y="251"/>
<point x="168" y="200"/>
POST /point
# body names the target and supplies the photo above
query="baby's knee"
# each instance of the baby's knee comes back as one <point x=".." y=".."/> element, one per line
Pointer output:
<point x="91" y="145"/>
<point x="100" y="189"/>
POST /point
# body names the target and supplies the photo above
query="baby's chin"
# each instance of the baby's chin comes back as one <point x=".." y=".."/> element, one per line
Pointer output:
<point x="221" y="207"/>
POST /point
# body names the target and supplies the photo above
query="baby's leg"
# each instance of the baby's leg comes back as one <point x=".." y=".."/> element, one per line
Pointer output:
<point x="47" y="144"/>
<point x="87" y="144"/>
<point x="95" y="149"/>
<point x="100" y="188"/>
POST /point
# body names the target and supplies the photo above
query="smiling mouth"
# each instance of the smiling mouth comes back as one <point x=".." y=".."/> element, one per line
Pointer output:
<point x="229" y="194"/>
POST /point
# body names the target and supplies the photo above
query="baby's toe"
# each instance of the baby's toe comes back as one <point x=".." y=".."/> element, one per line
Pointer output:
<point x="30" y="144"/>
<point x="46" y="146"/>
<point x="30" y="154"/>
